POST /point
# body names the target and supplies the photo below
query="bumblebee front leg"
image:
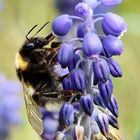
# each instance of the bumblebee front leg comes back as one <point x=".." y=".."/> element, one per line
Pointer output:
<point x="49" y="38"/>
<point x="55" y="44"/>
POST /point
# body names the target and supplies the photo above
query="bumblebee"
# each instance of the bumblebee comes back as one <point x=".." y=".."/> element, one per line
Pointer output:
<point x="35" y="69"/>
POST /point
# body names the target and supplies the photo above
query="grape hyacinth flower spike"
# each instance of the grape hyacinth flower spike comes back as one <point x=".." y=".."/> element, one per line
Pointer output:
<point x="87" y="55"/>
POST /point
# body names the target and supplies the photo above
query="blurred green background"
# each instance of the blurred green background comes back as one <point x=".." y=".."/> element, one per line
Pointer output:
<point x="18" y="16"/>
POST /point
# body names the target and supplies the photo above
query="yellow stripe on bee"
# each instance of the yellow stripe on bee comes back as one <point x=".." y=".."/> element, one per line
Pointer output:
<point x="20" y="62"/>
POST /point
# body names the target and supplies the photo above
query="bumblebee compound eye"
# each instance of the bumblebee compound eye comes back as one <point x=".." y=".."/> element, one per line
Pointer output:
<point x="29" y="46"/>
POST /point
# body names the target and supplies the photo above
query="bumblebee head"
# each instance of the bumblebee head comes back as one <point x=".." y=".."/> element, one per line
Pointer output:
<point x="31" y="45"/>
<point x="34" y="43"/>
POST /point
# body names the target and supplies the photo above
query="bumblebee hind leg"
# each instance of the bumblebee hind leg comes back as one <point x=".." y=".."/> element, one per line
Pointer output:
<point x="70" y="95"/>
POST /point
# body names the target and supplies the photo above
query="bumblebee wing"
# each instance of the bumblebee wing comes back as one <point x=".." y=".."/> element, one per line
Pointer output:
<point x="34" y="115"/>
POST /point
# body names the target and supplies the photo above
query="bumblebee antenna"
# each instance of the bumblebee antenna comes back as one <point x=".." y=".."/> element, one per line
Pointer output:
<point x="30" y="32"/>
<point x="41" y="28"/>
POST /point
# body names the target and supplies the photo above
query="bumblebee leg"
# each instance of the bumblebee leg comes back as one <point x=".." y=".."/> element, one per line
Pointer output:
<point x="55" y="44"/>
<point x="62" y="77"/>
<point x="44" y="92"/>
<point x="49" y="38"/>
<point x="66" y="95"/>
<point x="52" y="61"/>
<point x="70" y="95"/>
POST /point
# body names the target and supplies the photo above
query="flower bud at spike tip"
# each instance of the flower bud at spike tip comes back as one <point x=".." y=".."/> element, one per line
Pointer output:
<point x="62" y="25"/>
<point x="111" y="2"/>
<point x="78" y="132"/>
<point x="113" y="24"/>
<point x="67" y="6"/>
<point x="65" y="54"/>
<point x="113" y="106"/>
<point x="79" y="79"/>
<point x="82" y="9"/>
<point x="92" y="45"/>
<point x="87" y="104"/>
<point x="106" y="90"/>
<point x="115" y="68"/>
<point x="66" y="114"/>
<point x="101" y="70"/>
<point x="60" y="136"/>
<point x="112" y="46"/>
